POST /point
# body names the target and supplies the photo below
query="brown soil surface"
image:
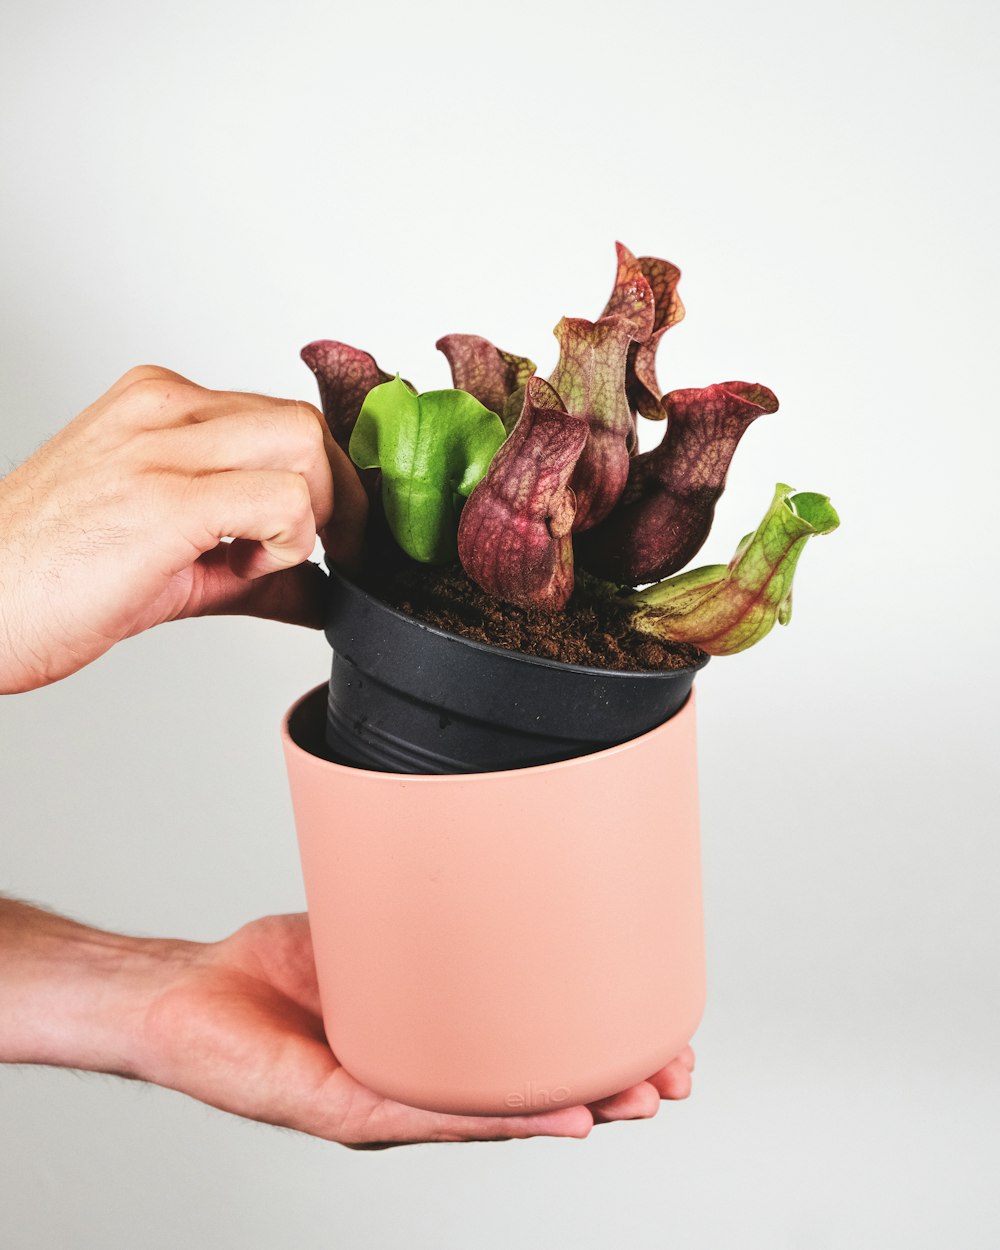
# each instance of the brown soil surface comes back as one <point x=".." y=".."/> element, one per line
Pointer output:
<point x="592" y="631"/>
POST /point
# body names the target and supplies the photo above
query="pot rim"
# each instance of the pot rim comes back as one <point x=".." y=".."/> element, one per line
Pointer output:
<point x="319" y="692"/>
<point x="518" y="656"/>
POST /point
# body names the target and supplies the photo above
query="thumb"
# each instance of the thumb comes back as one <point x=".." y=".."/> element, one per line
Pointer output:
<point x="296" y="595"/>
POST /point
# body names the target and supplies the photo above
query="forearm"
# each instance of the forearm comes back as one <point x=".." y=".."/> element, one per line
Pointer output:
<point x="73" y="996"/>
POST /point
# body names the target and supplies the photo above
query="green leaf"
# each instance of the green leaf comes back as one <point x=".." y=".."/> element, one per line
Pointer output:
<point x="433" y="450"/>
<point x="726" y="608"/>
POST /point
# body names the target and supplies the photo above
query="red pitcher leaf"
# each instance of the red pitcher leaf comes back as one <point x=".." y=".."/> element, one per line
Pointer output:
<point x="514" y="536"/>
<point x="663" y="276"/>
<point x="668" y="503"/>
<point x="512" y="409"/>
<point x="632" y="297"/>
<point x="590" y="380"/>
<point x="487" y="372"/>
<point x="643" y="389"/>
<point x="345" y="376"/>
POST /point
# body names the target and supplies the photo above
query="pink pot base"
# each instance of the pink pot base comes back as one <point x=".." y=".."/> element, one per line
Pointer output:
<point x="492" y="943"/>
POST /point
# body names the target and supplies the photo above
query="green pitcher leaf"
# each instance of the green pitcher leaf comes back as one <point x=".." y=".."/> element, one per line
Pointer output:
<point x="433" y="450"/>
<point x="726" y="608"/>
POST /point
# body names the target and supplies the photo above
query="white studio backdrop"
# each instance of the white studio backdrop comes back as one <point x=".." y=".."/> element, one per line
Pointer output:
<point x="208" y="187"/>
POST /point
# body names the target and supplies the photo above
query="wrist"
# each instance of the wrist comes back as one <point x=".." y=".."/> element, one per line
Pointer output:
<point x="16" y="675"/>
<point x="73" y="996"/>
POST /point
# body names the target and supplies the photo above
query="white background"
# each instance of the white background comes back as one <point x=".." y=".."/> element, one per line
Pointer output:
<point x="208" y="186"/>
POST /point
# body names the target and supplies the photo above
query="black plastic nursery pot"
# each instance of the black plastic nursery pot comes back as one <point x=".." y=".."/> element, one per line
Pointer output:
<point x="408" y="697"/>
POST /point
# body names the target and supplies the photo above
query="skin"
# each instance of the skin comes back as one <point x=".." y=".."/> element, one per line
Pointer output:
<point x="116" y="525"/>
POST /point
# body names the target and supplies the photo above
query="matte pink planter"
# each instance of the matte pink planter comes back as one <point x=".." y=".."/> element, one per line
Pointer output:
<point x="491" y="943"/>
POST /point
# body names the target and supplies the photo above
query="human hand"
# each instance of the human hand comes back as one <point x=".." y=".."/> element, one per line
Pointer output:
<point x="240" y="1028"/>
<point x="116" y="523"/>
<point x="235" y="1024"/>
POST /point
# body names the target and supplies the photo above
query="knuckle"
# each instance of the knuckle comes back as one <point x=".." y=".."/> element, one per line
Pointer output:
<point x="309" y="412"/>
<point x="289" y="504"/>
<point x="142" y="373"/>
<point x="306" y="427"/>
<point x="297" y="496"/>
<point x="150" y="392"/>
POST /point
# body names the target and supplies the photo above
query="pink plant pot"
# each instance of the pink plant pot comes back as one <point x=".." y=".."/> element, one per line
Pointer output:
<point x="491" y="943"/>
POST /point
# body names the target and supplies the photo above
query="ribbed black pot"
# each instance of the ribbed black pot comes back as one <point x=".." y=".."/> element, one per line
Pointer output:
<point x="408" y="697"/>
